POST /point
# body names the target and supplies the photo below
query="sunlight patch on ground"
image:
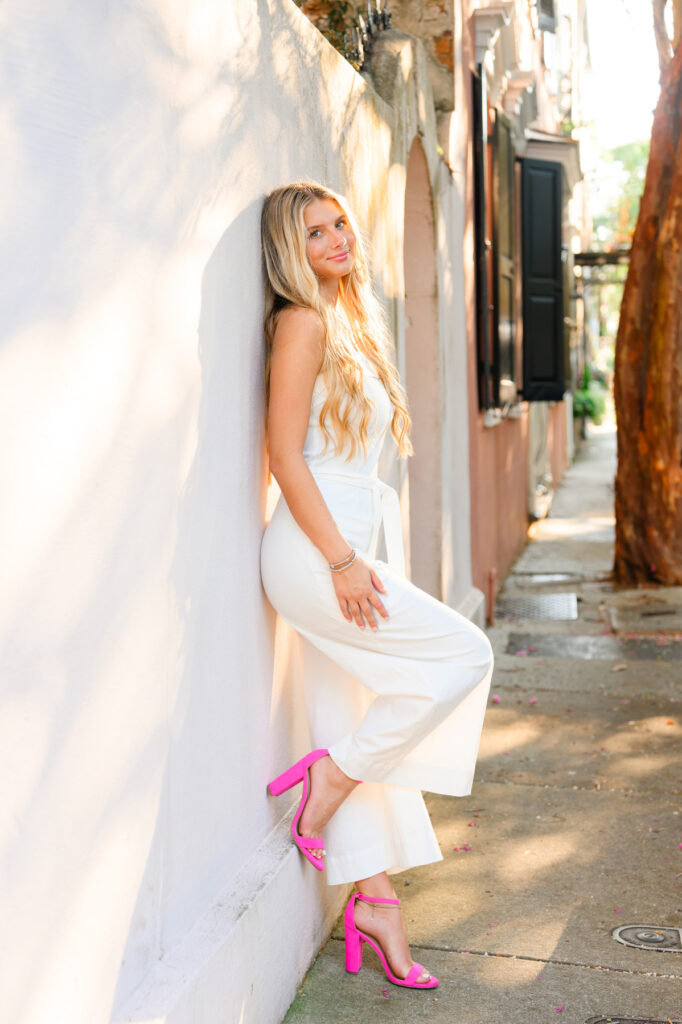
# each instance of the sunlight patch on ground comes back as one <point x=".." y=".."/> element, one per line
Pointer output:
<point x="558" y="529"/>
<point x="495" y="972"/>
<point x="647" y="764"/>
<point x="663" y="725"/>
<point x="530" y="858"/>
<point x="506" y="736"/>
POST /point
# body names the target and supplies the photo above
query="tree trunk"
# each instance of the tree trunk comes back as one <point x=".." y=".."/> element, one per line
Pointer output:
<point x="663" y="43"/>
<point x="648" y="371"/>
<point x="677" y="23"/>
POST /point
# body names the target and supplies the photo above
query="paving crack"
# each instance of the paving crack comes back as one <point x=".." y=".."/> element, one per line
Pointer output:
<point x="551" y="962"/>
<point x="579" y="789"/>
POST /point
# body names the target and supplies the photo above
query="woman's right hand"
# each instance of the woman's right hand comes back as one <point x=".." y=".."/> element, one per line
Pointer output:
<point x="357" y="591"/>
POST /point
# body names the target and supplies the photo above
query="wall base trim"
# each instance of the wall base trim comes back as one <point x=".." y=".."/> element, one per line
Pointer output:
<point x="244" y="959"/>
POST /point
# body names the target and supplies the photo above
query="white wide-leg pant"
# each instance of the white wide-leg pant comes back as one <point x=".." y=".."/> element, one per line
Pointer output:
<point x="400" y="709"/>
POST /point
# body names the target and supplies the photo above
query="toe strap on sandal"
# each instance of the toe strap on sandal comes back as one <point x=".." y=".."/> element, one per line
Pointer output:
<point x="415" y="972"/>
<point x="310" y="843"/>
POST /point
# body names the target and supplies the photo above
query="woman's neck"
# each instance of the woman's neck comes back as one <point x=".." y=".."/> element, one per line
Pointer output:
<point x="329" y="290"/>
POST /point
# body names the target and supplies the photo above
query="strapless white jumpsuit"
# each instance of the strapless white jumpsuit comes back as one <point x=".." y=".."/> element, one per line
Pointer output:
<point x="401" y="709"/>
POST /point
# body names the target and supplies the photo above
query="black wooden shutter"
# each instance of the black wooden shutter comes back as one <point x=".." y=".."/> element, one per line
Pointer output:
<point x="544" y="366"/>
<point x="504" y="206"/>
<point x="547" y="15"/>
<point x="486" y="369"/>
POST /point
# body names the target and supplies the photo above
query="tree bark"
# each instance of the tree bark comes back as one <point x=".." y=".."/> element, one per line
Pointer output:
<point x="648" y="370"/>
<point x="677" y="23"/>
<point x="663" y="44"/>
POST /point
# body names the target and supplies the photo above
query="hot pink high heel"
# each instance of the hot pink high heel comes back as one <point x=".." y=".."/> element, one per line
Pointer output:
<point x="299" y="772"/>
<point x="355" y="939"/>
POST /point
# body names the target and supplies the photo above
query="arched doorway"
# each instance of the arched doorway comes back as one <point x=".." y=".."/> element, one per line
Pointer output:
<point x="422" y="371"/>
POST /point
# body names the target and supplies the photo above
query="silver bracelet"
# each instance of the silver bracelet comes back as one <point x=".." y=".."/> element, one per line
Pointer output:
<point x="345" y="563"/>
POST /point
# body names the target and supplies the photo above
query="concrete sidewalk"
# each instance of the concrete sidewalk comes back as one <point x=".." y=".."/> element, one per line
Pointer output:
<point x="574" y="825"/>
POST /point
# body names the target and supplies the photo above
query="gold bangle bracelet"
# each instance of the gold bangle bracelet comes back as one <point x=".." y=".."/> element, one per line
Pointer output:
<point x="345" y="563"/>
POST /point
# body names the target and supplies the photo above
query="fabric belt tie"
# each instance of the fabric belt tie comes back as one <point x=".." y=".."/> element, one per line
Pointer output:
<point x="385" y="510"/>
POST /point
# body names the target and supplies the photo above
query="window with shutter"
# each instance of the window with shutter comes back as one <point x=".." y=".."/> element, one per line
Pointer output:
<point x="486" y="397"/>
<point x="547" y="15"/>
<point x="544" y="362"/>
<point x="504" y="207"/>
<point x="495" y="213"/>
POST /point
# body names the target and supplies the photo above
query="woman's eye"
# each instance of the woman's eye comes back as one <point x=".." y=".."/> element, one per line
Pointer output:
<point x="313" y="233"/>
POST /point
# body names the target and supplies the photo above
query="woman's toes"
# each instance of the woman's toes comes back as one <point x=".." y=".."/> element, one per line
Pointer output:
<point x="423" y="977"/>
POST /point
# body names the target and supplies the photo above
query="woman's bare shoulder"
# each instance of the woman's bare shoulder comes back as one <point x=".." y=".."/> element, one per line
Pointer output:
<point x="301" y="330"/>
<point x="300" y="320"/>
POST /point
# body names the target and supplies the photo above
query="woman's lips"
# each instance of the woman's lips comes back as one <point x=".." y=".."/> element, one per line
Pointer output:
<point x="341" y="256"/>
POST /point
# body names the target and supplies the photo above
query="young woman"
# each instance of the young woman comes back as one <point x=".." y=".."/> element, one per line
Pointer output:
<point x="396" y="682"/>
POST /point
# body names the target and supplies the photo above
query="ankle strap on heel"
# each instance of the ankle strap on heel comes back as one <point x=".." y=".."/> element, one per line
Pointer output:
<point x="376" y="901"/>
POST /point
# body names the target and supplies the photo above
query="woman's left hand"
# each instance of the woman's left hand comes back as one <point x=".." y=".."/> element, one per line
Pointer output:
<point x="357" y="591"/>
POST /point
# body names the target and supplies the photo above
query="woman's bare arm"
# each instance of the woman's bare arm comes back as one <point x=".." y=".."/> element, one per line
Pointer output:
<point x="297" y="354"/>
<point x="296" y="361"/>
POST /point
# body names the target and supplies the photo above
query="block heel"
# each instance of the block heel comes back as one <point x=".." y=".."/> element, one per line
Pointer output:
<point x="355" y="938"/>
<point x="300" y="772"/>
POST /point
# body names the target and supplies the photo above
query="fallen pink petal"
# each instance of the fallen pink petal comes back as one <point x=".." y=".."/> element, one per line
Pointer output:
<point x="495" y="699"/>
<point x="559" y="1009"/>
<point x="533" y="700"/>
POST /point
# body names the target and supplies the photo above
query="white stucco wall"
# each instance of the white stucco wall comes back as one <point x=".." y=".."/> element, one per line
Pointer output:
<point x="147" y="694"/>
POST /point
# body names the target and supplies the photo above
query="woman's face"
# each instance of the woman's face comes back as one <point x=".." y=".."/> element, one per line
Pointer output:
<point x="330" y="241"/>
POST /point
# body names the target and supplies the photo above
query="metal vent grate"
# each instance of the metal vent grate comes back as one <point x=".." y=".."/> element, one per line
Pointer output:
<point x="540" y="606"/>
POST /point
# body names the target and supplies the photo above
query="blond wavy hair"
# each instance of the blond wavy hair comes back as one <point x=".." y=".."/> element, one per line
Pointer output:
<point x="357" y="322"/>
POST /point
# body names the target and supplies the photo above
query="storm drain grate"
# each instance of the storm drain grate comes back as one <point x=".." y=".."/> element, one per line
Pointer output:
<point x="645" y="936"/>
<point x="540" y="606"/>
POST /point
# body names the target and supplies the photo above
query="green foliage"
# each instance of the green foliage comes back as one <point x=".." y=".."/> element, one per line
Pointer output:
<point x="620" y="181"/>
<point x="333" y="18"/>
<point x="594" y="375"/>
<point x="339" y="21"/>
<point x="590" y="398"/>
